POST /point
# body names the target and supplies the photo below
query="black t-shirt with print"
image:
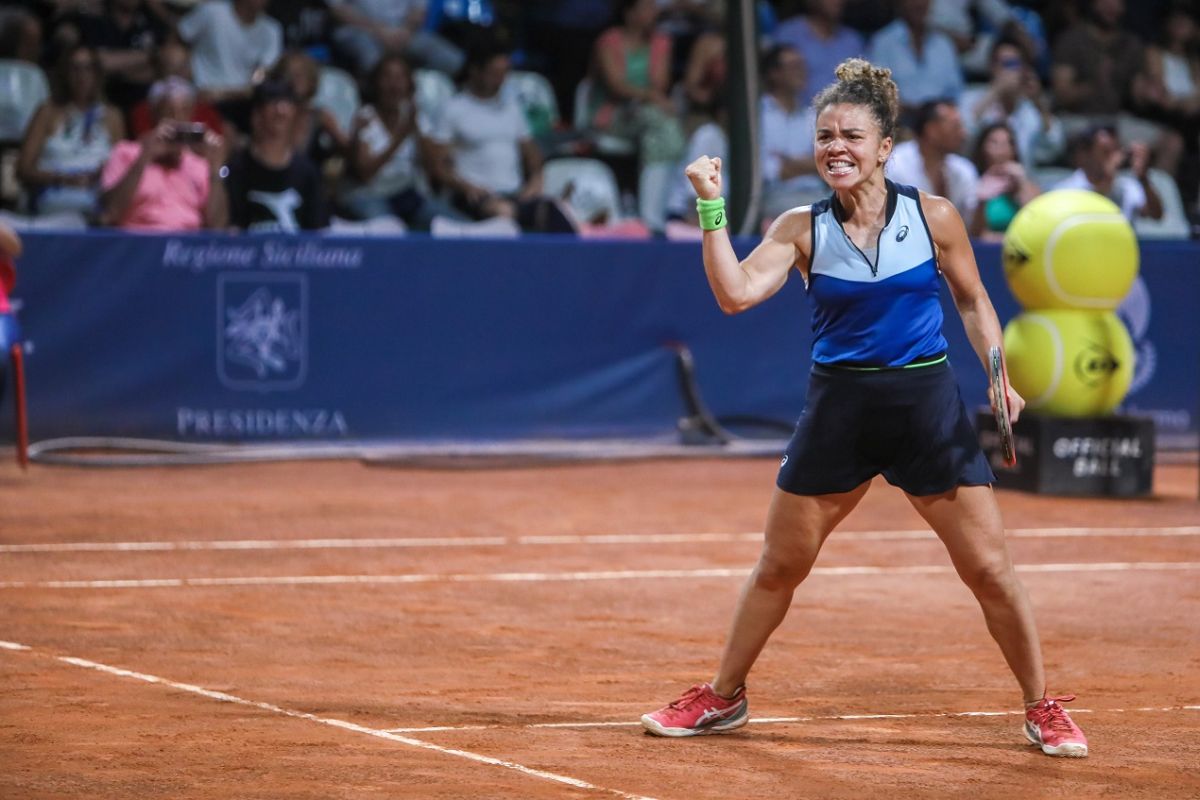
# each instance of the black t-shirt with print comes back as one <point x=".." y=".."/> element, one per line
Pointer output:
<point x="265" y="198"/>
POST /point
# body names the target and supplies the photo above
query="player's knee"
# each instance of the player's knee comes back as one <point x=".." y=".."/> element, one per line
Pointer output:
<point x="995" y="580"/>
<point x="775" y="572"/>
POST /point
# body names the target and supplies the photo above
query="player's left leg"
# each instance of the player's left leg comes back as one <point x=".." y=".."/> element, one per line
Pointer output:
<point x="967" y="520"/>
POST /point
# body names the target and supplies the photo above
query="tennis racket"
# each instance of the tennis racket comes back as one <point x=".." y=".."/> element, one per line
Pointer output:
<point x="1008" y="445"/>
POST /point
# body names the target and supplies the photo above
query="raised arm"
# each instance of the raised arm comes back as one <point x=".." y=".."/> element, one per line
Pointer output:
<point x="956" y="260"/>
<point x="739" y="285"/>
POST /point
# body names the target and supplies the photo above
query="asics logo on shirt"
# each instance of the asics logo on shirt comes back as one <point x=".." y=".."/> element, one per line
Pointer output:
<point x="903" y="232"/>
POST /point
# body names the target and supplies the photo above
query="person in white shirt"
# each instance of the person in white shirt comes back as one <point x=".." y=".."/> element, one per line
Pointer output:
<point x="1099" y="157"/>
<point x="1014" y="96"/>
<point x="789" y="172"/>
<point x="369" y="28"/>
<point x="233" y="44"/>
<point x="483" y="151"/>
<point x="923" y="61"/>
<point x="386" y="175"/>
<point x="931" y="162"/>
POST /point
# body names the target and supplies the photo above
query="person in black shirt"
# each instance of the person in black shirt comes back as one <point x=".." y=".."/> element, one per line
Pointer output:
<point x="272" y="187"/>
<point x="125" y="35"/>
<point x="305" y="25"/>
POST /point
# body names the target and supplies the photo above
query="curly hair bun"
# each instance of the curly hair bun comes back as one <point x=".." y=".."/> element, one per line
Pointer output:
<point x="859" y="82"/>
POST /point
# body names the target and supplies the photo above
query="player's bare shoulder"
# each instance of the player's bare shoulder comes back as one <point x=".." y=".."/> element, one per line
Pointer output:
<point x="945" y="223"/>
<point x="794" y="227"/>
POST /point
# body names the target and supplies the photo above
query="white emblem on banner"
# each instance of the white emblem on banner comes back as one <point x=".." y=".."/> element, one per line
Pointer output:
<point x="262" y="331"/>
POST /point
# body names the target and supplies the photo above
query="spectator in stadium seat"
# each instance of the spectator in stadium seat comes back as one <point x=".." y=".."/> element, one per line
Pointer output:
<point x="976" y="25"/>
<point x="823" y="41"/>
<point x="387" y="153"/>
<point x="124" y="34"/>
<point x="923" y="61"/>
<point x="366" y="29"/>
<point x="787" y="131"/>
<point x="561" y="34"/>
<point x="159" y="182"/>
<point x="1004" y="185"/>
<point x="1014" y="96"/>
<point x="173" y="59"/>
<point x="1095" y="62"/>
<point x="271" y="186"/>
<point x="69" y="138"/>
<point x="20" y="36"/>
<point x="1171" y="73"/>
<point x="233" y="44"/>
<point x="931" y="162"/>
<point x="956" y="18"/>
<point x="483" y="152"/>
<point x="705" y="73"/>
<point x="631" y="85"/>
<point x="317" y="133"/>
<point x="1100" y="157"/>
<point x="1095" y="81"/>
<point x="306" y="25"/>
<point x="1169" y="91"/>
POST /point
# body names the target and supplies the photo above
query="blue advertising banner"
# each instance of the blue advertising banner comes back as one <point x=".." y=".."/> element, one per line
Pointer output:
<point x="219" y="338"/>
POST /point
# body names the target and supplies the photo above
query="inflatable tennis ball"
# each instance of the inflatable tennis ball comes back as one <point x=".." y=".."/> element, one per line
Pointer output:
<point x="1070" y="248"/>
<point x="1069" y="363"/>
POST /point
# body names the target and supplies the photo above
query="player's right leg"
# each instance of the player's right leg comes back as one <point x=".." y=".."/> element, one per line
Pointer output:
<point x="797" y="526"/>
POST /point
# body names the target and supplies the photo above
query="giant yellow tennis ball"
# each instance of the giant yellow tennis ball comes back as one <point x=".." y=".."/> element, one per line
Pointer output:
<point x="1070" y="248"/>
<point x="1069" y="363"/>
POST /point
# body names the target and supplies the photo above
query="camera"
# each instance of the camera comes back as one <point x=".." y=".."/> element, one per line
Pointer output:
<point x="189" y="132"/>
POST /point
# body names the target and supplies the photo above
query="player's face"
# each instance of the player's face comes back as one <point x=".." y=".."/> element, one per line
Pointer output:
<point x="848" y="147"/>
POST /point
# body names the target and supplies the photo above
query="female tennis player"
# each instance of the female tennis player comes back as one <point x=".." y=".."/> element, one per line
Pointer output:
<point x="882" y="397"/>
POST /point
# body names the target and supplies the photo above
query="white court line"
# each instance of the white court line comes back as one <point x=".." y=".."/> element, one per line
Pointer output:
<point x="225" y="697"/>
<point x="784" y="720"/>
<point x="505" y="541"/>
<point x="545" y="577"/>
<point x="12" y="646"/>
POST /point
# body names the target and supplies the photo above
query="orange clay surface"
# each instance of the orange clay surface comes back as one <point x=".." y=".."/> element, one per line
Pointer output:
<point x="497" y="633"/>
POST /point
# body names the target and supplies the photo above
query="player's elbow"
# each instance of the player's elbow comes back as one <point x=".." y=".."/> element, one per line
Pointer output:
<point x="732" y="305"/>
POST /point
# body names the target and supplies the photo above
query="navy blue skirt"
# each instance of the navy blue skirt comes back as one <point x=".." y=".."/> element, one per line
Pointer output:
<point x="910" y="425"/>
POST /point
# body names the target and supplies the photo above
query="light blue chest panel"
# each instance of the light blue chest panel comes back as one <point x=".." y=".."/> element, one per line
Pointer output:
<point x="883" y="312"/>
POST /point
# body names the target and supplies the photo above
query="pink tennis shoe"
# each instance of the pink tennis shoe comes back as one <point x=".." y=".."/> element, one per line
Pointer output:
<point x="1048" y="725"/>
<point x="698" y="711"/>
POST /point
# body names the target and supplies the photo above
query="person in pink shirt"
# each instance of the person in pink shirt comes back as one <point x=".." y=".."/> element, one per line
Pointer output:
<point x="169" y="179"/>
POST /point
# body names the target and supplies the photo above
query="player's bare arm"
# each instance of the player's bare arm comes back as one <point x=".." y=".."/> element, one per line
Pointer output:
<point x="739" y="285"/>
<point x="956" y="259"/>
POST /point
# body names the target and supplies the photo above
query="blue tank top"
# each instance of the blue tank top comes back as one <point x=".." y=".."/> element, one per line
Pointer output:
<point x="878" y="311"/>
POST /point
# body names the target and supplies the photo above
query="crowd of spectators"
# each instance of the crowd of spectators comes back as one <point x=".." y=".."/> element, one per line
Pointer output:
<point x="209" y="114"/>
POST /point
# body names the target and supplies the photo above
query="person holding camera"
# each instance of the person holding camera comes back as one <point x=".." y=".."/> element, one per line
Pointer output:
<point x="1014" y="96"/>
<point x="169" y="179"/>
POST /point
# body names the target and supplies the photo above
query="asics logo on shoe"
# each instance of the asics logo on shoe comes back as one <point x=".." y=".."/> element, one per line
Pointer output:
<point x="715" y="713"/>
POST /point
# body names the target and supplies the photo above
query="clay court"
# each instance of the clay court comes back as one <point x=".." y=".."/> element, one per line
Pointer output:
<point x="332" y="629"/>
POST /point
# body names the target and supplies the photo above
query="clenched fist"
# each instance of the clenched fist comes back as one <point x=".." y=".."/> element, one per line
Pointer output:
<point x="705" y="175"/>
